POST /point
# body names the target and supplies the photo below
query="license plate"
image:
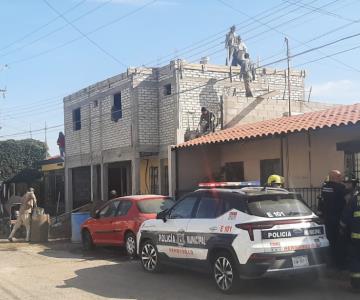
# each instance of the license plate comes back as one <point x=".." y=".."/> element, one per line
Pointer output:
<point x="300" y="261"/>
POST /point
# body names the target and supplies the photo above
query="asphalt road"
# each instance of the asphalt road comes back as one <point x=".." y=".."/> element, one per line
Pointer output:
<point x="60" y="270"/>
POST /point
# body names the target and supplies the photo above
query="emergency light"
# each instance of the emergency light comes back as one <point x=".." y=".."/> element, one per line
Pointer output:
<point x="228" y="184"/>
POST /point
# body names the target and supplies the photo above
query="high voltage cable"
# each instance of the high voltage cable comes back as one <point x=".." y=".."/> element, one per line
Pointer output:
<point x="87" y="33"/>
<point x="191" y="47"/>
<point x="224" y="78"/>
<point x="41" y="27"/>
<point x="102" y="49"/>
<point x="56" y="30"/>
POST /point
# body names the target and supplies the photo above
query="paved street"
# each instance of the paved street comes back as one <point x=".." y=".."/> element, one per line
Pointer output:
<point x="60" y="270"/>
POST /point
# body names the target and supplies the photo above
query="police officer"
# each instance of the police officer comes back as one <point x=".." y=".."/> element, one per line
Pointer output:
<point x="331" y="205"/>
<point x="350" y="222"/>
<point x="276" y="181"/>
<point x="27" y="205"/>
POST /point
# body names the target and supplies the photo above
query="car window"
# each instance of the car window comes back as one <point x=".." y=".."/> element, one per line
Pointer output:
<point x="124" y="207"/>
<point x="183" y="210"/>
<point x="154" y="206"/>
<point x="208" y="207"/>
<point x="233" y="201"/>
<point x="277" y="206"/>
<point x="109" y="210"/>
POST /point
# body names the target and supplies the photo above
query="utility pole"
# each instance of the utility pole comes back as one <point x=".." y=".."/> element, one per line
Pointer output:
<point x="288" y="72"/>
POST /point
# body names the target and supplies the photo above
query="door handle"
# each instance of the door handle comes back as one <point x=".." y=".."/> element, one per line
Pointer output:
<point x="213" y="228"/>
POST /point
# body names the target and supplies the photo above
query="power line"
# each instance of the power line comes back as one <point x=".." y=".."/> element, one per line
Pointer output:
<point x="55" y="30"/>
<point x="41" y="27"/>
<point x="87" y="33"/>
<point x="85" y="36"/>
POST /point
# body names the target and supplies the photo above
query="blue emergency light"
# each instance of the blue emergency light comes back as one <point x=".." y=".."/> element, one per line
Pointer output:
<point x="229" y="184"/>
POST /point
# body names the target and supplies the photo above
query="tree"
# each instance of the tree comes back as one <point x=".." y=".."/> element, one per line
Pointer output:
<point x="17" y="155"/>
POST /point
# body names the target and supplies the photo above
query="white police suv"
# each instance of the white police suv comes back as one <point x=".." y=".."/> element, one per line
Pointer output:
<point x="239" y="233"/>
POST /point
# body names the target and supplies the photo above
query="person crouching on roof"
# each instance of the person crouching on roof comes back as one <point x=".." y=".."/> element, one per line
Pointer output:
<point x="27" y="205"/>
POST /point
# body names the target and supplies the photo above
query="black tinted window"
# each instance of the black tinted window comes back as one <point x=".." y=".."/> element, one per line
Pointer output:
<point x="207" y="208"/>
<point x="277" y="206"/>
<point x="233" y="201"/>
<point x="184" y="209"/>
<point x="109" y="210"/>
<point x="124" y="207"/>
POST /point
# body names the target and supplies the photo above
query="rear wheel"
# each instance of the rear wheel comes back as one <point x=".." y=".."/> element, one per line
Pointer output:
<point x="149" y="257"/>
<point x="225" y="273"/>
<point x="130" y="244"/>
<point x="87" y="241"/>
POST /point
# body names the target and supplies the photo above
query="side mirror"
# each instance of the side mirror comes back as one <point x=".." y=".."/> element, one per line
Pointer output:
<point x="162" y="215"/>
<point x="97" y="214"/>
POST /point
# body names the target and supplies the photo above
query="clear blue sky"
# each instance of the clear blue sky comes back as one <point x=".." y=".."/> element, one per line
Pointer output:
<point x="48" y="59"/>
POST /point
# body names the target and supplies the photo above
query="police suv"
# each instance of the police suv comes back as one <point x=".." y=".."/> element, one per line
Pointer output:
<point x="246" y="232"/>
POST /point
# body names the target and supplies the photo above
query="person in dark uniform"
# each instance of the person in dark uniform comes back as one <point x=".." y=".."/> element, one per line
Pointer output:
<point x="330" y="208"/>
<point x="207" y="121"/>
<point x="350" y="223"/>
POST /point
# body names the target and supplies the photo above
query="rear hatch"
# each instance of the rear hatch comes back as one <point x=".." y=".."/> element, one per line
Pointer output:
<point x="285" y="226"/>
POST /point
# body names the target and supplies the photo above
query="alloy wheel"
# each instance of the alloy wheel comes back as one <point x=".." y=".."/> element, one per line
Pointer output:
<point x="149" y="257"/>
<point x="130" y="245"/>
<point x="223" y="273"/>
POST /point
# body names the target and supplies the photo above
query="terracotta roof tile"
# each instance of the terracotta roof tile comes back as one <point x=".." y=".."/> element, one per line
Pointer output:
<point x="333" y="117"/>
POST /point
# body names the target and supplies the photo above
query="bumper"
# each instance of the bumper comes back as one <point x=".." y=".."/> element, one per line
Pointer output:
<point x="277" y="264"/>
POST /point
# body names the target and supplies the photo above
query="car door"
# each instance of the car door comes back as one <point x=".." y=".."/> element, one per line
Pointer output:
<point x="103" y="229"/>
<point x="171" y="233"/>
<point x="120" y="222"/>
<point x="201" y="229"/>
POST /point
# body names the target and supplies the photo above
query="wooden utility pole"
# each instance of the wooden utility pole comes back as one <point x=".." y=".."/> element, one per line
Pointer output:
<point x="288" y="72"/>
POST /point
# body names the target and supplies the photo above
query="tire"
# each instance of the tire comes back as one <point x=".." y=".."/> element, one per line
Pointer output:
<point x="130" y="244"/>
<point x="225" y="273"/>
<point x="87" y="241"/>
<point x="149" y="257"/>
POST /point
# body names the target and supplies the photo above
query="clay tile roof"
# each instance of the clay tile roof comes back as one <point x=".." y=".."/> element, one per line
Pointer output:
<point x="333" y="117"/>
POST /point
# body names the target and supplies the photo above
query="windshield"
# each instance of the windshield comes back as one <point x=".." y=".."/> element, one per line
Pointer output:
<point x="277" y="206"/>
<point x="154" y="206"/>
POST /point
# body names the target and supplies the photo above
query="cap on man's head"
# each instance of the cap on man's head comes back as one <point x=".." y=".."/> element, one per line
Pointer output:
<point x="203" y="109"/>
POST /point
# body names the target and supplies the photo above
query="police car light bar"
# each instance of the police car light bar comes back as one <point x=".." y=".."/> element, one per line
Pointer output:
<point x="230" y="184"/>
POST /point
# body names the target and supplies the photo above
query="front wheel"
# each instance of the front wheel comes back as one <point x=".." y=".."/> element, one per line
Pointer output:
<point x="130" y="244"/>
<point x="149" y="257"/>
<point x="87" y="241"/>
<point x="225" y="273"/>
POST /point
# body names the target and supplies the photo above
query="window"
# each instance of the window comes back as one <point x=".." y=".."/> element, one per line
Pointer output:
<point x="116" y="110"/>
<point x="76" y="114"/>
<point x="207" y="208"/>
<point x="109" y="210"/>
<point x="269" y="167"/>
<point x="167" y="89"/>
<point x="234" y="171"/>
<point x="352" y="164"/>
<point x="124" y="207"/>
<point x="154" y="206"/>
<point x="95" y="103"/>
<point x="154" y="180"/>
<point x="184" y="209"/>
<point x="233" y="201"/>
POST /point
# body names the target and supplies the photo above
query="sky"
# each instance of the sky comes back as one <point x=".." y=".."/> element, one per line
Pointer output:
<point x="44" y="58"/>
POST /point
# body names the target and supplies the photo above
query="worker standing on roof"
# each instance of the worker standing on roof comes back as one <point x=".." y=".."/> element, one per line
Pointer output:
<point x="24" y="218"/>
<point x="350" y="223"/>
<point x="276" y="181"/>
<point x="331" y="205"/>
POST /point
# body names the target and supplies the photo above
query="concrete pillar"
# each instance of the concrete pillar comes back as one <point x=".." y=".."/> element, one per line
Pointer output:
<point x="172" y="172"/>
<point x="135" y="175"/>
<point x="104" y="173"/>
<point x="94" y="183"/>
<point x="68" y="190"/>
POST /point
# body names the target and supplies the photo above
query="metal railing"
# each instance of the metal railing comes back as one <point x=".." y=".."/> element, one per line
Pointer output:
<point x="309" y="195"/>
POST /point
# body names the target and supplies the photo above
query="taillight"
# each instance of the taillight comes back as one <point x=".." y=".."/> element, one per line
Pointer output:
<point x="250" y="227"/>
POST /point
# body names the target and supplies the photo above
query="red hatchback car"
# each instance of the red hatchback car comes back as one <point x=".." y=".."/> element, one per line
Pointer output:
<point x="117" y="222"/>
